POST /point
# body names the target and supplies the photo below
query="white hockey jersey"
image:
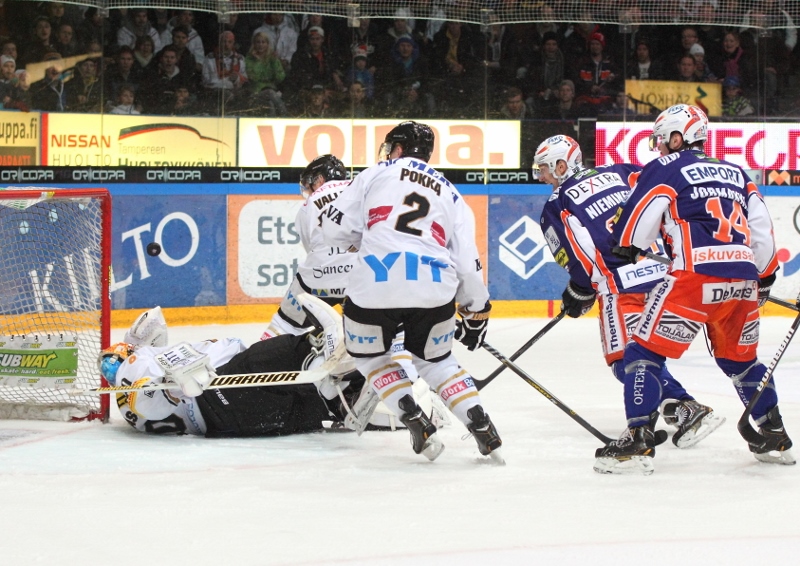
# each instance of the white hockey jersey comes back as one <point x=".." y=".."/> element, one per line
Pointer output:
<point x="166" y="410"/>
<point x="415" y="236"/>
<point x="326" y="268"/>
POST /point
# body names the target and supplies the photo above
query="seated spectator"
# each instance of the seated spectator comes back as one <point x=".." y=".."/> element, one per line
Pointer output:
<point x="360" y="72"/>
<point x="144" y="54"/>
<point x="194" y="43"/>
<point x="315" y="65"/>
<point x="702" y="71"/>
<point x="356" y="105"/>
<point x="364" y="40"/>
<point x="57" y="14"/>
<point x="40" y="43"/>
<point x="9" y="83"/>
<point x="94" y="27"/>
<point x="157" y="89"/>
<point x="405" y="83"/>
<point x="225" y="71"/>
<point x="184" y="104"/>
<point x="457" y="70"/>
<point x="186" y="59"/>
<point x="566" y="107"/>
<point x="686" y="69"/>
<point x="387" y="38"/>
<point x="598" y="78"/>
<point x="9" y="49"/>
<point x="337" y="35"/>
<point x="514" y="107"/>
<point x="135" y="26"/>
<point x="83" y="92"/>
<point x="282" y="37"/>
<point x="122" y="73"/>
<point x="316" y="103"/>
<point x="734" y="103"/>
<point x="643" y="67"/>
<point x="544" y="76"/>
<point x="125" y="101"/>
<point x="736" y="62"/>
<point x="266" y="74"/>
<point x="65" y="42"/>
<point x="48" y="93"/>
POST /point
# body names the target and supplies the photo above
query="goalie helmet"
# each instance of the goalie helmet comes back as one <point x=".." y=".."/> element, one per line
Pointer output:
<point x="111" y="358"/>
<point x="689" y="121"/>
<point x="555" y="149"/>
<point x="149" y="329"/>
<point x="416" y="140"/>
<point x="328" y="166"/>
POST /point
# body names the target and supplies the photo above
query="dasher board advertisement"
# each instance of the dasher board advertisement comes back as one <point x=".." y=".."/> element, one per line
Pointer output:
<point x="19" y="139"/>
<point x="109" y="140"/>
<point x="749" y="145"/>
<point x="460" y="144"/>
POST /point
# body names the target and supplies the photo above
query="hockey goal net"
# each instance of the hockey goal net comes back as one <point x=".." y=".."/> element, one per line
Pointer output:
<point x="55" y="257"/>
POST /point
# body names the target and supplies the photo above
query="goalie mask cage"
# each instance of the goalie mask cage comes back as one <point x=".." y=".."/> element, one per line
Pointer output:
<point x="55" y="256"/>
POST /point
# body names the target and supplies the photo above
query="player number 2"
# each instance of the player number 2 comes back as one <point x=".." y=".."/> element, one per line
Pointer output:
<point x="421" y="209"/>
<point x="736" y="221"/>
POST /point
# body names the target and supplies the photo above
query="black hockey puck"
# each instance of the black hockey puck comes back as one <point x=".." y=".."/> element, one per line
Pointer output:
<point x="153" y="249"/>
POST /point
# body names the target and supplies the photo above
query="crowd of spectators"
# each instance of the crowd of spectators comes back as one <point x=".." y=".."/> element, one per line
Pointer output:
<point x="179" y="62"/>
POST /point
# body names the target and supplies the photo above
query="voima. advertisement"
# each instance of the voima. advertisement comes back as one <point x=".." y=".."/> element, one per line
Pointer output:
<point x="749" y="145"/>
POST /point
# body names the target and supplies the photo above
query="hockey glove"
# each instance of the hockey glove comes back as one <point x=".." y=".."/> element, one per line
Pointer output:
<point x="471" y="327"/>
<point x="764" y="288"/>
<point x="576" y="300"/>
<point x="628" y="253"/>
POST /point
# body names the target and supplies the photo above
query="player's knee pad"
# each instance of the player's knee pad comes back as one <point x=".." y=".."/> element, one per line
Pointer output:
<point x="643" y="389"/>
<point x="671" y="387"/>
<point x="746" y="377"/>
<point x="618" y="369"/>
<point x="454" y="385"/>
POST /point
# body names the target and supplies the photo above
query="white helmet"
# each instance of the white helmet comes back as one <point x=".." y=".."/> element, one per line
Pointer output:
<point x="689" y="121"/>
<point x="555" y="149"/>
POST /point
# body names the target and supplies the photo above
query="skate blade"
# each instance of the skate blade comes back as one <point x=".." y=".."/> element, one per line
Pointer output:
<point x="707" y="425"/>
<point x="496" y="457"/>
<point x="777" y="457"/>
<point x="638" y="465"/>
<point x="433" y="447"/>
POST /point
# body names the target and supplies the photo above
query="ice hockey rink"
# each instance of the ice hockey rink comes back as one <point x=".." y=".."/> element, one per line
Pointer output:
<point x="81" y="494"/>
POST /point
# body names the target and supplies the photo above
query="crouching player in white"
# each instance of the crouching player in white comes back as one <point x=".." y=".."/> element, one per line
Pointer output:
<point x="416" y="258"/>
<point x="250" y="411"/>
<point x="577" y="222"/>
<point x="718" y="229"/>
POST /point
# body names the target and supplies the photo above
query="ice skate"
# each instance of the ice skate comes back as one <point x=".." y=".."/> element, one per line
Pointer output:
<point x="485" y="434"/>
<point x="424" y="439"/>
<point x="693" y="420"/>
<point x="777" y="449"/>
<point x="632" y="453"/>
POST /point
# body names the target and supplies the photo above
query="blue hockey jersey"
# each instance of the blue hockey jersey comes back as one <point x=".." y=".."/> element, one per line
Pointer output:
<point x="577" y="222"/>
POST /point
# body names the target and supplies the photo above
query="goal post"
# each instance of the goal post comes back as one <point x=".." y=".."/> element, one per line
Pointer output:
<point x="55" y="307"/>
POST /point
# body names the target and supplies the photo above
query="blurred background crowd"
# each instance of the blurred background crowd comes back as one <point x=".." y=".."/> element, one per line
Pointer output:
<point x="524" y="60"/>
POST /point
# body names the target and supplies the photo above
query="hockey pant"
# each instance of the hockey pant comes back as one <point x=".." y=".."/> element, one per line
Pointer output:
<point x="265" y="411"/>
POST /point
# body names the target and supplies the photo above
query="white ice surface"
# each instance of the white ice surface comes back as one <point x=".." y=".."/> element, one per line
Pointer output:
<point x="85" y="494"/>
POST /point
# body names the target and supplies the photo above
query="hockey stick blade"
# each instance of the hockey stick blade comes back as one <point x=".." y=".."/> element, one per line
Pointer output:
<point x="547" y="395"/>
<point x="481" y="383"/>
<point x="220" y="382"/>
<point x="751" y="435"/>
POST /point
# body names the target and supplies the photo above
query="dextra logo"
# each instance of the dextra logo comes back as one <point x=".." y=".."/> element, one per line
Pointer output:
<point x="790" y="265"/>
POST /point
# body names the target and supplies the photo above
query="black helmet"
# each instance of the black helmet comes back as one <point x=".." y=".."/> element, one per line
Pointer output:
<point x="328" y="166"/>
<point x="416" y="140"/>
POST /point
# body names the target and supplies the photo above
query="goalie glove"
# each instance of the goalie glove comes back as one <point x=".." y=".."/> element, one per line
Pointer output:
<point x="186" y="367"/>
<point x="471" y="327"/>
<point x="576" y="300"/>
<point x="764" y="288"/>
<point x="628" y="253"/>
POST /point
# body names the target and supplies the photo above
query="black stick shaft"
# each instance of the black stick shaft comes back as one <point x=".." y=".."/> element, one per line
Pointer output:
<point x="481" y="383"/>
<point x="547" y="395"/>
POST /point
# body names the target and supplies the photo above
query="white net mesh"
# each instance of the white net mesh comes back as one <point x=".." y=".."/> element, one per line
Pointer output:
<point x="51" y="266"/>
<point x="764" y="14"/>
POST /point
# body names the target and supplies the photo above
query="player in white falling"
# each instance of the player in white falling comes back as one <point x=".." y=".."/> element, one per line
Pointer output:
<point x="416" y="259"/>
<point x="247" y="411"/>
<point x="325" y="269"/>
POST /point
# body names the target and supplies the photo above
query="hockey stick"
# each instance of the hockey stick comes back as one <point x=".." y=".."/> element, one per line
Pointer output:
<point x="481" y="383"/>
<point x="783" y="303"/>
<point x="220" y="382"/>
<point x="547" y="395"/>
<point x="751" y="435"/>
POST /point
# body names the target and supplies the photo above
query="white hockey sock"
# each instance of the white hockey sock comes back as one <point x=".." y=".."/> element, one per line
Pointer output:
<point x="388" y="379"/>
<point x="453" y="384"/>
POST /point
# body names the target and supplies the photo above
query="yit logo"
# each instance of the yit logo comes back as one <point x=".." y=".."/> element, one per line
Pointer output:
<point x="522" y="248"/>
<point x="361" y="339"/>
